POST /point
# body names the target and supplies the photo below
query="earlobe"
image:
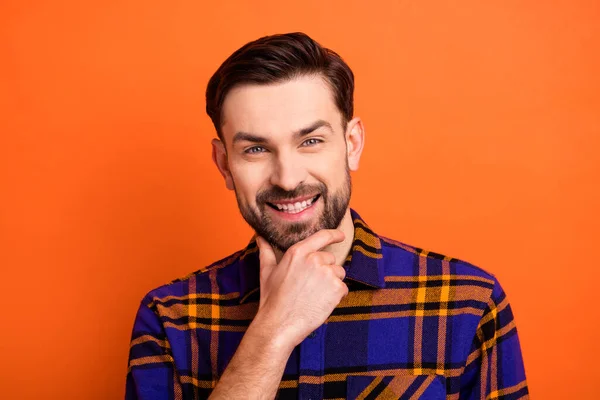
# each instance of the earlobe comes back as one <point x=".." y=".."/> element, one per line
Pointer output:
<point x="219" y="156"/>
<point x="355" y="141"/>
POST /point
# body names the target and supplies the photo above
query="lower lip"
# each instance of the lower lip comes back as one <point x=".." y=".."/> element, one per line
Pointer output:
<point x="306" y="213"/>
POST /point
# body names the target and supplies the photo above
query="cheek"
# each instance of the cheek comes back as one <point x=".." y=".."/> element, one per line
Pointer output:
<point x="331" y="175"/>
<point x="248" y="181"/>
<point x="331" y="169"/>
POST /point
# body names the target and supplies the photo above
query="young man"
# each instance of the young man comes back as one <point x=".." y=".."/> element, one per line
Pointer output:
<point x="317" y="305"/>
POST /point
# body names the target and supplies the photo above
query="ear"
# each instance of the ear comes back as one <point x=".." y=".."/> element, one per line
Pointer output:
<point x="219" y="156"/>
<point x="355" y="141"/>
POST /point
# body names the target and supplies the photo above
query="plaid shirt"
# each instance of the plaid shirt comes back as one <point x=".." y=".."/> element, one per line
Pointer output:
<point x="415" y="324"/>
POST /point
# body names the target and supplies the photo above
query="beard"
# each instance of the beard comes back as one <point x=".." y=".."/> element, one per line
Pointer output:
<point x="283" y="235"/>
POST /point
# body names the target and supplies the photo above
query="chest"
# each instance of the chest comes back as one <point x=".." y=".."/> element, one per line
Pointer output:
<point x="374" y="345"/>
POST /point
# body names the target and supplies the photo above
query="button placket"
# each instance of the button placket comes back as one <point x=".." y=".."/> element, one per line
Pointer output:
<point x="312" y="360"/>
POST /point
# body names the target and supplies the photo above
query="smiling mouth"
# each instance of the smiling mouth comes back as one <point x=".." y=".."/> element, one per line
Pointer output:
<point x="294" y="208"/>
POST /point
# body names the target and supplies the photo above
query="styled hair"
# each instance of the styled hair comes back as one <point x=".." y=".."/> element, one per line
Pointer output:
<point x="276" y="59"/>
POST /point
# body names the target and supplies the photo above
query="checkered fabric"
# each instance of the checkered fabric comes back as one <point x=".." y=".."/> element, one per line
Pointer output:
<point x="415" y="325"/>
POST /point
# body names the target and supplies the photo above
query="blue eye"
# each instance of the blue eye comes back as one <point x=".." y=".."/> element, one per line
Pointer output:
<point x="254" y="150"/>
<point x="312" y="142"/>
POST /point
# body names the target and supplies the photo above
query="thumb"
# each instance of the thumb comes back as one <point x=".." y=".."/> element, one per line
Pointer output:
<point x="267" y="258"/>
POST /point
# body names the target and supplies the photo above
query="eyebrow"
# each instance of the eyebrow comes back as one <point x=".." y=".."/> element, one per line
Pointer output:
<point x="251" y="137"/>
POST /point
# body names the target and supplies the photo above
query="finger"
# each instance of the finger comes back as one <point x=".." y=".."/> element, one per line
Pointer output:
<point x="321" y="239"/>
<point x="266" y="257"/>
<point x="322" y="257"/>
<point x="346" y="290"/>
<point x="339" y="271"/>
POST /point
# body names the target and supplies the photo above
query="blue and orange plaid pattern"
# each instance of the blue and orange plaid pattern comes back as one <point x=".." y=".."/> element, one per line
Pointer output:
<point x="415" y="325"/>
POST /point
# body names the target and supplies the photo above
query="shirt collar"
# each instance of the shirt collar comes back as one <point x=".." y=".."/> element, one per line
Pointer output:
<point x="364" y="264"/>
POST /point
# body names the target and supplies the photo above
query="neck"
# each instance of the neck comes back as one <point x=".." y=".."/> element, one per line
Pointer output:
<point x="339" y="250"/>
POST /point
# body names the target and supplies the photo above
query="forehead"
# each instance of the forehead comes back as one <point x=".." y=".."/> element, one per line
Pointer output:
<point x="280" y="108"/>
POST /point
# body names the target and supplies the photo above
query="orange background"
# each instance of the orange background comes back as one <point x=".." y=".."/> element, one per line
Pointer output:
<point x="483" y="128"/>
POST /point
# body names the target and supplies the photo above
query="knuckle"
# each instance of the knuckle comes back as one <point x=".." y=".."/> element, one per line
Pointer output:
<point x="331" y="273"/>
<point x="294" y="251"/>
<point x="313" y="257"/>
<point x="341" y="286"/>
<point x="330" y="258"/>
<point x="320" y="258"/>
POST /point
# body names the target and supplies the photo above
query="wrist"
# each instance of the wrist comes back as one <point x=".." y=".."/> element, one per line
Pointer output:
<point x="269" y="336"/>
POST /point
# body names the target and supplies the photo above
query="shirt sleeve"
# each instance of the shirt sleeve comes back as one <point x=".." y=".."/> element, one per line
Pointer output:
<point x="151" y="372"/>
<point x="494" y="368"/>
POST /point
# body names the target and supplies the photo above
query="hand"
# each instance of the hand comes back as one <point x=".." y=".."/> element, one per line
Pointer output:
<point x="298" y="294"/>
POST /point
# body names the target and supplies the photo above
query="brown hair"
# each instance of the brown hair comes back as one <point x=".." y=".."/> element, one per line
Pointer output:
<point x="278" y="58"/>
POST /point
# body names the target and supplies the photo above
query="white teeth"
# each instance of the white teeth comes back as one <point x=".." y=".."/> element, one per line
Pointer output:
<point x="295" y="207"/>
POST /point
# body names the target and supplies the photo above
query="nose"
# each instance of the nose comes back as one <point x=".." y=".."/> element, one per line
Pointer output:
<point x="288" y="172"/>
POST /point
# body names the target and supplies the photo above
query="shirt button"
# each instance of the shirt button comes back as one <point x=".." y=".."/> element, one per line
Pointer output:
<point x="312" y="335"/>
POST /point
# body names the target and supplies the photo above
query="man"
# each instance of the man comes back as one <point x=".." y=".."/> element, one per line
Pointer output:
<point x="317" y="305"/>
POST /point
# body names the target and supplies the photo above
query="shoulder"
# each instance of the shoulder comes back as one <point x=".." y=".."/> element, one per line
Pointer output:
<point x="404" y="261"/>
<point x="198" y="282"/>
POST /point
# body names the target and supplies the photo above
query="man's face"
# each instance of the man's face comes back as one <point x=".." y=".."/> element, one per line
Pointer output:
<point x="287" y="158"/>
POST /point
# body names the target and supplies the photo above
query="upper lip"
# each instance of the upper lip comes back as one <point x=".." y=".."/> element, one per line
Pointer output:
<point x="296" y="200"/>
